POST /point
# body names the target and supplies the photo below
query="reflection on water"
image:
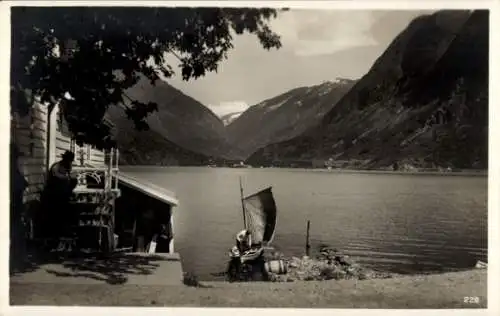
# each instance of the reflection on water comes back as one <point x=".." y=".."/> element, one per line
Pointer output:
<point x="398" y="223"/>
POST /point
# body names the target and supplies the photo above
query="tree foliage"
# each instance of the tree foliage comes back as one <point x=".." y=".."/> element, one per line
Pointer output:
<point x="110" y="47"/>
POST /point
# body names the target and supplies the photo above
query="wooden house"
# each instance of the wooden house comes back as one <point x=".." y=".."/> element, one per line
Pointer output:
<point x="42" y="139"/>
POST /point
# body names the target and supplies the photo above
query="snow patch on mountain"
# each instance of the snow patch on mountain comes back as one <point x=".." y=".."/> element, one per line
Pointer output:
<point x="229" y="118"/>
<point x="276" y="106"/>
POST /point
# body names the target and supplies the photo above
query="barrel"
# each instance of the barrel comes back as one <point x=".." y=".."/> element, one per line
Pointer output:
<point x="276" y="267"/>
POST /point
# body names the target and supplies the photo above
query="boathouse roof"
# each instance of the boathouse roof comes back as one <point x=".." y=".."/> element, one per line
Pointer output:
<point x="148" y="188"/>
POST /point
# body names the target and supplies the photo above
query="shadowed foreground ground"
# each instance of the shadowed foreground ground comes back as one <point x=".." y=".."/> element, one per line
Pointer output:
<point x="430" y="291"/>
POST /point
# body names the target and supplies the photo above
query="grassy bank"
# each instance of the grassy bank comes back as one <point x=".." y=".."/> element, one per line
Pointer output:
<point x="428" y="291"/>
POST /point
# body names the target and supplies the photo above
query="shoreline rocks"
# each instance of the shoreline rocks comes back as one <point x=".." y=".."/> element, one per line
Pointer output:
<point x="329" y="264"/>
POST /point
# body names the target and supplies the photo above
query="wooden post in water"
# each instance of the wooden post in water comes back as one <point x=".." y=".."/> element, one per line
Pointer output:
<point x="308" y="247"/>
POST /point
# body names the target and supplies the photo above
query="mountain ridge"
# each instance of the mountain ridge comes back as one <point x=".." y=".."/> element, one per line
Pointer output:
<point x="284" y="116"/>
<point x="368" y="123"/>
<point x="418" y="104"/>
<point x="185" y="128"/>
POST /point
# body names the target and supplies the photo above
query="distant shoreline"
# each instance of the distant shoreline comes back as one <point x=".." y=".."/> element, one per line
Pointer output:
<point x="463" y="172"/>
<point x="416" y="172"/>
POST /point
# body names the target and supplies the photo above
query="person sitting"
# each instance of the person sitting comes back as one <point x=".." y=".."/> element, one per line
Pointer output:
<point x="59" y="178"/>
<point x="60" y="185"/>
<point x="243" y="240"/>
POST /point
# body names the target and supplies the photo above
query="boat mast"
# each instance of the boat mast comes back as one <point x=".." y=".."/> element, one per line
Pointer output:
<point x="243" y="205"/>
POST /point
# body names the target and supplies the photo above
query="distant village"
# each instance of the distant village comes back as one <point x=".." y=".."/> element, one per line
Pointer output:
<point x="323" y="164"/>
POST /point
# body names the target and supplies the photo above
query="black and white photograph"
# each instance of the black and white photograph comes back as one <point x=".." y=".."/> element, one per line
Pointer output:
<point x="230" y="155"/>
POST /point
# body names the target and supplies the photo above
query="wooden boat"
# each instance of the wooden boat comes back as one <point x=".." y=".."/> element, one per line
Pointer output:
<point x="259" y="218"/>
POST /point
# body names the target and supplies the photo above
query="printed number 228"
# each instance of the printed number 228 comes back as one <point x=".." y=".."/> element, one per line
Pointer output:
<point x="471" y="299"/>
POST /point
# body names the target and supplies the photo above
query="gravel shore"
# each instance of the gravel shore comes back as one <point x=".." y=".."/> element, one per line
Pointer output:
<point x="446" y="290"/>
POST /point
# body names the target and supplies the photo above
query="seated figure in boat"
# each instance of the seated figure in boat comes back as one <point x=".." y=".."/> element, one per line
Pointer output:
<point x="243" y="241"/>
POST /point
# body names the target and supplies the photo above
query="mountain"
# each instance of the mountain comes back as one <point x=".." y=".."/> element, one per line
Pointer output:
<point x="230" y="117"/>
<point x="148" y="147"/>
<point x="424" y="103"/>
<point x="284" y="116"/>
<point x="182" y="129"/>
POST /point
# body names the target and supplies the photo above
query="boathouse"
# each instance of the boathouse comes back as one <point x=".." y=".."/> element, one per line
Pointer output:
<point x="144" y="209"/>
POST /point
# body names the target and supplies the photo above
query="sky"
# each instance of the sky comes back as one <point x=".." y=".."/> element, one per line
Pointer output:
<point x="318" y="46"/>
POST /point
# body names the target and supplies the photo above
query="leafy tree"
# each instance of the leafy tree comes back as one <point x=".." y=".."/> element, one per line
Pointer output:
<point x="105" y="49"/>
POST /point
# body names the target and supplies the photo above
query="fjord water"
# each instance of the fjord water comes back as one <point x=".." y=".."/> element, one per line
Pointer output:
<point x="389" y="222"/>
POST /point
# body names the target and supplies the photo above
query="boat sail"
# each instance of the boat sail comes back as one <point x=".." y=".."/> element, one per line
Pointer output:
<point x="259" y="219"/>
<point x="259" y="216"/>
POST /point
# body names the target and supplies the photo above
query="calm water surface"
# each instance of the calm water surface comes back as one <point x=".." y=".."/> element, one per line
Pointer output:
<point x="389" y="222"/>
